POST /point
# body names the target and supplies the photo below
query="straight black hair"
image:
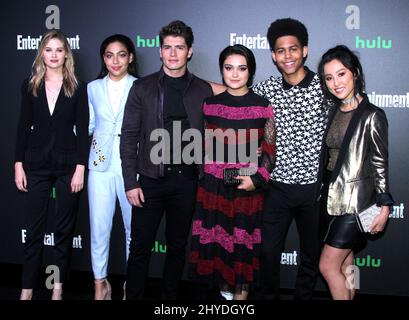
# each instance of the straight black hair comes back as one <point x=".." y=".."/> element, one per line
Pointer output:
<point x="132" y="67"/>
<point x="243" y="51"/>
<point x="350" y="60"/>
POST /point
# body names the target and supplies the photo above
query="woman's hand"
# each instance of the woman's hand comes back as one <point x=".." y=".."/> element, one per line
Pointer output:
<point x="380" y="221"/>
<point x="77" y="181"/>
<point x="259" y="151"/>
<point x="246" y="183"/>
<point x="20" y="178"/>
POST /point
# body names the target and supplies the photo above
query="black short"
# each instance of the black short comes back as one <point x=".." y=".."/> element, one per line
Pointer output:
<point x="343" y="232"/>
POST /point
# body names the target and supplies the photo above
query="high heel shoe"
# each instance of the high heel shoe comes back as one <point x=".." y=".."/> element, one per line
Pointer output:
<point x="57" y="292"/>
<point x="103" y="290"/>
<point x="26" y="294"/>
<point x="124" y="287"/>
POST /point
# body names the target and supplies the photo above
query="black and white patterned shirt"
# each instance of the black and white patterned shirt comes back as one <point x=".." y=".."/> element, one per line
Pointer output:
<point x="300" y="120"/>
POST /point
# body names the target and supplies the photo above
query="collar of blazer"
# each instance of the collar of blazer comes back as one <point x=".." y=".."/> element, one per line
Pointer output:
<point x="161" y="86"/>
<point x="348" y="134"/>
<point x="43" y="96"/>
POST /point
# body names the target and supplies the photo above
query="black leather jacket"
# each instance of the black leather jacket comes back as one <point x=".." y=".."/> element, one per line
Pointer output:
<point x="144" y="113"/>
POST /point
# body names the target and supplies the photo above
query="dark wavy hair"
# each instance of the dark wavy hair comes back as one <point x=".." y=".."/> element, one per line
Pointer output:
<point x="243" y="51"/>
<point x="287" y="27"/>
<point x="132" y="67"/>
<point x="177" y="28"/>
<point x="350" y="60"/>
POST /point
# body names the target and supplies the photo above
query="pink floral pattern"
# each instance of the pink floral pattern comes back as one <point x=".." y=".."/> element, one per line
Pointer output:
<point x="237" y="113"/>
<point x="219" y="235"/>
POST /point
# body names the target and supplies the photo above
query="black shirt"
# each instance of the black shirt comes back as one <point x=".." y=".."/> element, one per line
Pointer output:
<point x="174" y="115"/>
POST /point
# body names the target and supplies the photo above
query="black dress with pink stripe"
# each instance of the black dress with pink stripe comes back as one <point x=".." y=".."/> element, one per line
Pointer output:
<point x="226" y="231"/>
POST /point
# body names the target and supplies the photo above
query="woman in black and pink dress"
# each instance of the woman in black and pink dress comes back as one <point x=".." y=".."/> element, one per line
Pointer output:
<point x="226" y="230"/>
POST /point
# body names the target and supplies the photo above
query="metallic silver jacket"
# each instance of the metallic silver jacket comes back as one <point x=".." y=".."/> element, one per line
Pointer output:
<point x="360" y="177"/>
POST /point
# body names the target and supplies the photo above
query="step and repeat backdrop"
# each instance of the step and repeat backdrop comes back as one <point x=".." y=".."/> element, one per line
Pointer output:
<point x="376" y="29"/>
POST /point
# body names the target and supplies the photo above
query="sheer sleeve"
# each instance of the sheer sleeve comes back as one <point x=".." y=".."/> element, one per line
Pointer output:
<point x="268" y="148"/>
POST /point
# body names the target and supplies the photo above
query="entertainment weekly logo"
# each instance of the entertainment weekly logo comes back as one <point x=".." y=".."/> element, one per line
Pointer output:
<point x="250" y="41"/>
<point x="397" y="212"/>
<point x="289" y="258"/>
<point x="389" y="100"/>
<point x="25" y="43"/>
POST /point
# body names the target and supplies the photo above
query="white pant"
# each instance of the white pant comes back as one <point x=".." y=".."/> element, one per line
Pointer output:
<point x="103" y="189"/>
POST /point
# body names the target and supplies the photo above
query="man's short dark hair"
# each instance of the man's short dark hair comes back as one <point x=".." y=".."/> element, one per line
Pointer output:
<point x="177" y="28"/>
<point x="287" y="27"/>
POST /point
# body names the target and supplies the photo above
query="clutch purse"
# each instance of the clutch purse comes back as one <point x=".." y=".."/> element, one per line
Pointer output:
<point x="366" y="217"/>
<point x="229" y="175"/>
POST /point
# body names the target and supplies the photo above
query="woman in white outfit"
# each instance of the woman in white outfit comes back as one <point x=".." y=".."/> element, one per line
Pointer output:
<point x="107" y="96"/>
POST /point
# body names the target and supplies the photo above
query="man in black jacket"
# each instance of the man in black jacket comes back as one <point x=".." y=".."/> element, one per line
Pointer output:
<point x="171" y="97"/>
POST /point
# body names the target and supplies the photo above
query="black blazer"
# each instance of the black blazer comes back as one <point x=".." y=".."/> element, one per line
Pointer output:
<point x="42" y="137"/>
<point x="144" y="113"/>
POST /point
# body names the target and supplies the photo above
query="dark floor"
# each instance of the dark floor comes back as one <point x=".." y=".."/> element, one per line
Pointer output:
<point x="80" y="287"/>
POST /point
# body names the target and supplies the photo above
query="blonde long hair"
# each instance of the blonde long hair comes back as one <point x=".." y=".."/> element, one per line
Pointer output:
<point x="70" y="82"/>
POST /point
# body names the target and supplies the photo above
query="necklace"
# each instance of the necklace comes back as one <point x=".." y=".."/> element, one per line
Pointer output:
<point x="352" y="102"/>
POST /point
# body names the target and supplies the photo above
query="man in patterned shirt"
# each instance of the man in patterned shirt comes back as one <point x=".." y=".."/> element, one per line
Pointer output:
<point x="293" y="190"/>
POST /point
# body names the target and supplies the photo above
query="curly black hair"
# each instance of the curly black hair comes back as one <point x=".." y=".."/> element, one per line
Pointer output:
<point x="287" y="27"/>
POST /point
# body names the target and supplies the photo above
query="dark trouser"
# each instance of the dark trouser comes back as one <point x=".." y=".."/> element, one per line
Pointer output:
<point x="174" y="194"/>
<point x="37" y="198"/>
<point x="283" y="203"/>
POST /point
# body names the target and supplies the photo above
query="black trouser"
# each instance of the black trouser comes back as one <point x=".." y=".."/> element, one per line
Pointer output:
<point x="283" y="203"/>
<point x="174" y="194"/>
<point x="39" y="184"/>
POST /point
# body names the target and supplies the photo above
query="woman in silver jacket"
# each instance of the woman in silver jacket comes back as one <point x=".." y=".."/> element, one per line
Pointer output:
<point x="357" y="166"/>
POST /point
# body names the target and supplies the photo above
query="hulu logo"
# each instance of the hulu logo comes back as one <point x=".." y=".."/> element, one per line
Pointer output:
<point x="53" y="193"/>
<point x="149" y="43"/>
<point x="367" y="262"/>
<point x="377" y="43"/>
<point x="159" y="248"/>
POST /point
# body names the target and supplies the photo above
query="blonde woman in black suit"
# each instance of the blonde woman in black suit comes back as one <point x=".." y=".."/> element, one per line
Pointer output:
<point x="51" y="149"/>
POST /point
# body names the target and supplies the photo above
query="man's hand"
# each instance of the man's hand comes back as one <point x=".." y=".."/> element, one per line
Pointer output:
<point x="135" y="197"/>
<point x="217" y="88"/>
